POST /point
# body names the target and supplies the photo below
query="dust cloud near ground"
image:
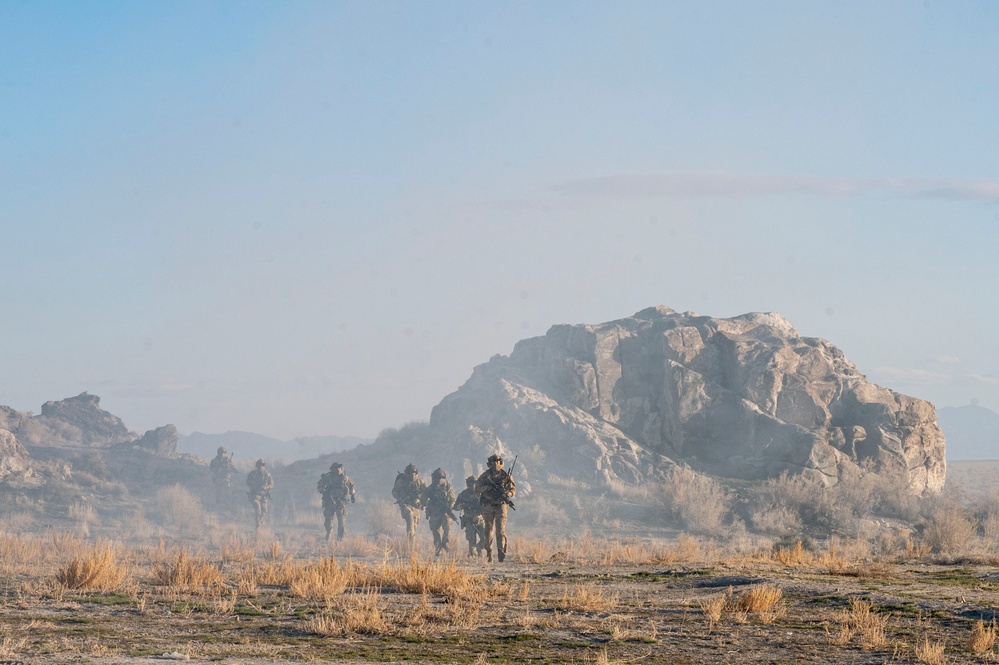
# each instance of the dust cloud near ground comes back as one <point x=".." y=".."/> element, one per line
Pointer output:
<point x="689" y="571"/>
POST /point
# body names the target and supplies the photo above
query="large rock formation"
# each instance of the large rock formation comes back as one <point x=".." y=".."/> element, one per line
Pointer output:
<point x="86" y="420"/>
<point x="745" y="397"/>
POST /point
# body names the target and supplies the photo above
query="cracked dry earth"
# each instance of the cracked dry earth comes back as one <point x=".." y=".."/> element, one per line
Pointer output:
<point x="563" y="612"/>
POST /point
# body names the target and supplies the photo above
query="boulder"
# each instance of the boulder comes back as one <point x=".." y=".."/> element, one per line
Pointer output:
<point x="86" y="419"/>
<point x="160" y="441"/>
<point x="13" y="456"/>
<point x="745" y="397"/>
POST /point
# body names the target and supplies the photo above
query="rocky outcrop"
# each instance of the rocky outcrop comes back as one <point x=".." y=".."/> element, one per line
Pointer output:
<point x="85" y="417"/>
<point x="160" y="441"/>
<point x="13" y="456"/>
<point x="745" y="397"/>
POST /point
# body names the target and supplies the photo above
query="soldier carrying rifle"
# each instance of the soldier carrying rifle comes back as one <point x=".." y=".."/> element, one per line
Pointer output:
<point x="471" y="518"/>
<point x="222" y="467"/>
<point x="495" y="488"/>
<point x="439" y="497"/>
<point x="408" y="494"/>
<point x="335" y="488"/>
<point x="259" y="482"/>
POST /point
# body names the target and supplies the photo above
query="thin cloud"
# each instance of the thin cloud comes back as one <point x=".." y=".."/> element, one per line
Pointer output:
<point x="734" y="185"/>
<point x="988" y="380"/>
<point x="948" y="360"/>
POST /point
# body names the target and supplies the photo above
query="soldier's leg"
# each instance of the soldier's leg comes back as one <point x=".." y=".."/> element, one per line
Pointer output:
<point x="501" y="532"/>
<point x="487" y="517"/>
<point x="412" y="518"/>
<point x="258" y="512"/>
<point x="470" y="536"/>
<point x="480" y="532"/>
<point x="328" y="521"/>
<point x="341" y="518"/>
<point x="446" y="536"/>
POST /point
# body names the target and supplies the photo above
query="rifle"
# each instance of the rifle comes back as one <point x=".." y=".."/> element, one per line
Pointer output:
<point x="450" y="513"/>
<point x="499" y="490"/>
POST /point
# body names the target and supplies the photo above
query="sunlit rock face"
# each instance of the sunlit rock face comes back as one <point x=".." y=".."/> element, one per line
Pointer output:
<point x="13" y="456"/>
<point x="745" y="397"/>
<point x="87" y="421"/>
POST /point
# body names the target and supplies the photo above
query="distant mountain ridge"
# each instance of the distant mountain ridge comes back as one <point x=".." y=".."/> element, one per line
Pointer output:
<point x="248" y="445"/>
<point x="972" y="432"/>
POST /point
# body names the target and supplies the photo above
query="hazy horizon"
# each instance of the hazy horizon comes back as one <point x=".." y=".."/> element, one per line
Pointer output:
<point x="314" y="218"/>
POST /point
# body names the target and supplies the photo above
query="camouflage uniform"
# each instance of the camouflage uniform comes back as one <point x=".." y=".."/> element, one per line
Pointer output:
<point x="259" y="482"/>
<point x="222" y="468"/>
<point x="471" y="518"/>
<point x="335" y="488"/>
<point x="495" y="487"/>
<point x="438" y="498"/>
<point x="408" y="493"/>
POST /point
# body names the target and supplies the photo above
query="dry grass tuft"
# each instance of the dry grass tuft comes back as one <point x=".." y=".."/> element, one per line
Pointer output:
<point x="321" y="579"/>
<point x="983" y="637"/>
<point x="186" y="571"/>
<point x="357" y="546"/>
<point x="862" y="622"/>
<point x="233" y="549"/>
<point x="765" y="601"/>
<point x="10" y="648"/>
<point x="356" y="613"/>
<point x="99" y="569"/>
<point x="587" y="598"/>
<point x="930" y="653"/>
<point x="440" y="577"/>
<point x="19" y="553"/>
<point x="794" y="556"/>
<point x="713" y="608"/>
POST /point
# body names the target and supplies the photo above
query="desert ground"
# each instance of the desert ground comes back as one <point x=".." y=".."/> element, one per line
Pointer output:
<point x="612" y="594"/>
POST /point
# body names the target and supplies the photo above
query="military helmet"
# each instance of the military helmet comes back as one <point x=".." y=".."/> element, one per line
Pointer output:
<point x="439" y="473"/>
<point x="221" y="451"/>
<point x="494" y="458"/>
<point x="411" y="468"/>
<point x="260" y="463"/>
<point x="335" y="465"/>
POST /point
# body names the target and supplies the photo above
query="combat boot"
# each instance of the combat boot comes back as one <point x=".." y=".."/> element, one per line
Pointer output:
<point x="501" y="555"/>
<point x="489" y="555"/>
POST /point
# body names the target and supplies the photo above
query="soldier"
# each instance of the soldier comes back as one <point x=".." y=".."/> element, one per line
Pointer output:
<point x="335" y="487"/>
<point x="408" y="493"/>
<point x="495" y="487"/>
<point x="471" y="517"/>
<point x="222" y="468"/>
<point x="438" y="498"/>
<point x="260" y="483"/>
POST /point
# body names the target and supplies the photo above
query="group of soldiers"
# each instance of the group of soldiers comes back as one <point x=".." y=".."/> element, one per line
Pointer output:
<point x="483" y="503"/>
<point x="258" y="484"/>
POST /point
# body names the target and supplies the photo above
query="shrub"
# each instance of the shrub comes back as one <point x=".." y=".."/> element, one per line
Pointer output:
<point x="178" y="508"/>
<point x="186" y="571"/>
<point x="982" y="637"/>
<point x="99" y="569"/>
<point x="947" y="527"/>
<point x="697" y="501"/>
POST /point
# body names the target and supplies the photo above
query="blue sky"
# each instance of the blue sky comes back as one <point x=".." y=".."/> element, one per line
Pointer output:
<point x="315" y="218"/>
